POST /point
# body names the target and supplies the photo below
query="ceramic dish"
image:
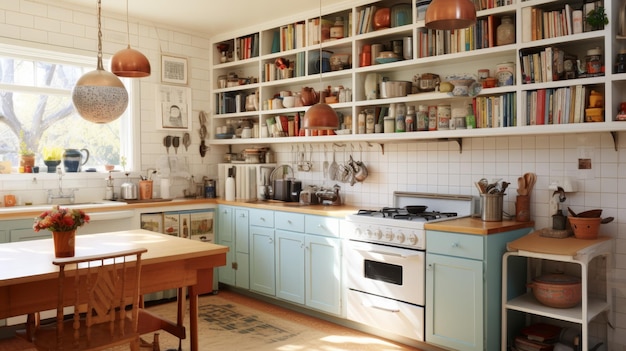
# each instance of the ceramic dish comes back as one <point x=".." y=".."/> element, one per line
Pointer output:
<point x="224" y="136"/>
<point x="386" y="59"/>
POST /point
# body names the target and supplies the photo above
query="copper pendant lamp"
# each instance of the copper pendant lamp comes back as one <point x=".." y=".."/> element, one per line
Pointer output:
<point x="321" y="116"/>
<point x="100" y="96"/>
<point x="450" y="14"/>
<point x="130" y="62"/>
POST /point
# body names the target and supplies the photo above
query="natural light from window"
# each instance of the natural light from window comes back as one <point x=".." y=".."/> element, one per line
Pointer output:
<point x="36" y="111"/>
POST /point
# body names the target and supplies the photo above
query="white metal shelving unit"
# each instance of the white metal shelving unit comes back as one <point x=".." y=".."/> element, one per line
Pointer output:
<point x="551" y="249"/>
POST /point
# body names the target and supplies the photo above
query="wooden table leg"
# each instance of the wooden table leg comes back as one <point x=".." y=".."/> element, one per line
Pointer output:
<point x="193" y="318"/>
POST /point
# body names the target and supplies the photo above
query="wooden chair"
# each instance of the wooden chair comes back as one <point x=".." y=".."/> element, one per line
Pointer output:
<point x="104" y="293"/>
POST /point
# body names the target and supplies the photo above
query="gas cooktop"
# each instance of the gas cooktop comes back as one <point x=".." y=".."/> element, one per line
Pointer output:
<point x="406" y="213"/>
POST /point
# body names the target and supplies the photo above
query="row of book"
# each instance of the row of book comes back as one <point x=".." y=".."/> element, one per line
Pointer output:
<point x="490" y="4"/>
<point x="546" y="65"/>
<point x="318" y="30"/>
<point x="247" y="47"/>
<point x="555" y="105"/>
<point x="440" y="42"/>
<point x="495" y="111"/>
<point x="365" y="19"/>
<point x="539" y="23"/>
<point x="295" y="69"/>
<point x="291" y="36"/>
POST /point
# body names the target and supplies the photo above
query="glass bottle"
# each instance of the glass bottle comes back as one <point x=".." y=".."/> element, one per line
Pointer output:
<point x="505" y="34"/>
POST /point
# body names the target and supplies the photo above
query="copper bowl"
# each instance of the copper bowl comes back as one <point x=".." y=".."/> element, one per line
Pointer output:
<point x="557" y="290"/>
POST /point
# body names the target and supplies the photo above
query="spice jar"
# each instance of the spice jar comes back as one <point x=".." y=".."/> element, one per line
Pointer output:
<point x="505" y="34"/>
<point x="620" y="62"/>
<point x="594" y="61"/>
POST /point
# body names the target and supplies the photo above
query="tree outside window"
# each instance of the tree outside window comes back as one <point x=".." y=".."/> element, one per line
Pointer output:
<point x="36" y="110"/>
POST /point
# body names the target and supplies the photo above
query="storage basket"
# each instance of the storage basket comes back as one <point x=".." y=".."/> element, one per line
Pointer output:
<point x="585" y="228"/>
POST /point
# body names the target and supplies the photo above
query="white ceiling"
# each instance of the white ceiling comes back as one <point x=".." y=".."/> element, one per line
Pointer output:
<point x="204" y="16"/>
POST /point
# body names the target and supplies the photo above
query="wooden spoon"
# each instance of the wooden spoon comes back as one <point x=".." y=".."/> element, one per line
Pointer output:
<point x="521" y="186"/>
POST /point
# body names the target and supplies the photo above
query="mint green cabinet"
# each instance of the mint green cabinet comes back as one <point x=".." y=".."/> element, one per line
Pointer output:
<point x="233" y="231"/>
<point x="463" y="288"/>
<point x="308" y="261"/>
<point x="262" y="252"/>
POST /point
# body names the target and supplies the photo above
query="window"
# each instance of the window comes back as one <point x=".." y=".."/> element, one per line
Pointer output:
<point x="36" y="109"/>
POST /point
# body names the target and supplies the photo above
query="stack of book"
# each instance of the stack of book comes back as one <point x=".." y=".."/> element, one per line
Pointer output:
<point x="545" y="65"/>
<point x="538" y="337"/>
<point x="247" y="46"/>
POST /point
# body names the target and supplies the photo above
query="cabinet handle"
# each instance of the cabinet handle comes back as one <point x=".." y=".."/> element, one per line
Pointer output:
<point x="262" y="219"/>
<point x="243" y="215"/>
<point x="289" y="221"/>
<point x="270" y="240"/>
<point x="321" y="226"/>
<point x="456" y="244"/>
<point x="429" y="267"/>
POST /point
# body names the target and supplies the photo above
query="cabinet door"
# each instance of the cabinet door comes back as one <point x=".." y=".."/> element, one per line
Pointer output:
<point x="454" y="302"/>
<point x="225" y="236"/>
<point x="4" y="236"/>
<point x="262" y="271"/>
<point x="241" y="230"/>
<point x="323" y="273"/>
<point x="290" y="266"/>
<point x="28" y="234"/>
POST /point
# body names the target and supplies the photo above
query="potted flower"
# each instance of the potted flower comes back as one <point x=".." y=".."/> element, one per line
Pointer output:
<point x="62" y="222"/>
<point x="52" y="157"/>
<point x="597" y="19"/>
<point x="27" y="156"/>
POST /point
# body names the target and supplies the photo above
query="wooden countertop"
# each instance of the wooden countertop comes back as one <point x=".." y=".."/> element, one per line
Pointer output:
<point x="536" y="243"/>
<point x="470" y="225"/>
<point x="320" y="210"/>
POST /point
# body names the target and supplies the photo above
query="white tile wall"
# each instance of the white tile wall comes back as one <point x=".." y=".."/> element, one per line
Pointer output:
<point x="418" y="166"/>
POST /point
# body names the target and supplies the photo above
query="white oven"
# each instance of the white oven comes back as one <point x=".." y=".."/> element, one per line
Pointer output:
<point x="384" y="255"/>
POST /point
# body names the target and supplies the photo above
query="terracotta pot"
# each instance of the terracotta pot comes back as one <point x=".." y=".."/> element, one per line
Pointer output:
<point x="64" y="243"/>
<point x="308" y="96"/>
<point x="557" y="290"/>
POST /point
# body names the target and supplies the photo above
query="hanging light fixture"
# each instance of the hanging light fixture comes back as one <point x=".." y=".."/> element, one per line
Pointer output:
<point x="130" y="62"/>
<point x="450" y="14"/>
<point x="321" y="116"/>
<point x="100" y="96"/>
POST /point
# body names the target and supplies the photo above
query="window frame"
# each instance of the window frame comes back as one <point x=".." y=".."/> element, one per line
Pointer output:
<point x="130" y="120"/>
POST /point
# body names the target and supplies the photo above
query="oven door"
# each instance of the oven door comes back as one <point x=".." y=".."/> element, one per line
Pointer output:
<point x="391" y="272"/>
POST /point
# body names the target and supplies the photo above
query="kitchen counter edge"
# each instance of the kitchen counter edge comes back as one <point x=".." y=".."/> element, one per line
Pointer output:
<point x="471" y="225"/>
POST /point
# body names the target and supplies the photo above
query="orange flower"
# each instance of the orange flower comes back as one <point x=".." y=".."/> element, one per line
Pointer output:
<point x="60" y="219"/>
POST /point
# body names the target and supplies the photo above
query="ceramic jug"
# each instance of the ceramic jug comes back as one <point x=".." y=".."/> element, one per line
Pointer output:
<point x="73" y="159"/>
<point x="308" y="96"/>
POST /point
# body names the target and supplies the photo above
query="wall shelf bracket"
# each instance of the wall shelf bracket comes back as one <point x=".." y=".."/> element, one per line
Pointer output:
<point x="615" y="139"/>
<point x="458" y="141"/>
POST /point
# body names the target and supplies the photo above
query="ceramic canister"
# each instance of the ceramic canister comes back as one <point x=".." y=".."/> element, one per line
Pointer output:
<point x="505" y="73"/>
<point x="443" y="117"/>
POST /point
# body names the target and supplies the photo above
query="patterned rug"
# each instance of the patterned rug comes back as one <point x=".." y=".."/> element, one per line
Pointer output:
<point x="231" y="322"/>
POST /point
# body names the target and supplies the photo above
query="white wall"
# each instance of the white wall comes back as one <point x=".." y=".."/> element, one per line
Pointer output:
<point x="420" y="166"/>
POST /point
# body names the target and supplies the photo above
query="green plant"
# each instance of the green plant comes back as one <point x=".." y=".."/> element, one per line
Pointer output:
<point x="25" y="150"/>
<point x="597" y="18"/>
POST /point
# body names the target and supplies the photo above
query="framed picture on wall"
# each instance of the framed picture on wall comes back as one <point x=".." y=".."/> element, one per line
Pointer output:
<point x="173" y="107"/>
<point x="173" y="69"/>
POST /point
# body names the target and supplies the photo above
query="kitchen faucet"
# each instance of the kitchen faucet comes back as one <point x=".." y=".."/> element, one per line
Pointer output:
<point x="60" y="194"/>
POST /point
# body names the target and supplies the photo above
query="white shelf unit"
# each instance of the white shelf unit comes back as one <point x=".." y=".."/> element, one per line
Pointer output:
<point x="590" y="307"/>
<point x="612" y="85"/>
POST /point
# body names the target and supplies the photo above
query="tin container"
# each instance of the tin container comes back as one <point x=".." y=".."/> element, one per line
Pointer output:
<point x="443" y="117"/>
<point x="505" y="73"/>
<point x="432" y="117"/>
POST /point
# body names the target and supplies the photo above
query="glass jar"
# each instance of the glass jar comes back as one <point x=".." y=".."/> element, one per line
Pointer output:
<point x="336" y="31"/>
<point x="594" y="61"/>
<point x="620" y="62"/>
<point x="505" y="34"/>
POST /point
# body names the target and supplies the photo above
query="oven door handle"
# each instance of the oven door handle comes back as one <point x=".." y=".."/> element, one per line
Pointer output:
<point x="386" y="253"/>
<point x="386" y="309"/>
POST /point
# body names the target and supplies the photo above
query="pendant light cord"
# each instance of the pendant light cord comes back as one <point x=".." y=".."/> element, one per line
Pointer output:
<point x="127" y="25"/>
<point x="100" y="66"/>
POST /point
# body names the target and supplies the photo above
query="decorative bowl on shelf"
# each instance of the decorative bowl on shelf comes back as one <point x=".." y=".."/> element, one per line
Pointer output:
<point x="386" y="57"/>
<point x="224" y="136"/>
<point x="461" y="86"/>
<point x="382" y="18"/>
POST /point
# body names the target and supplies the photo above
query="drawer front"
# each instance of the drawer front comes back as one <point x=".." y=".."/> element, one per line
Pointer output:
<point x="320" y="225"/>
<point x="293" y="222"/>
<point x="452" y="244"/>
<point x="262" y="218"/>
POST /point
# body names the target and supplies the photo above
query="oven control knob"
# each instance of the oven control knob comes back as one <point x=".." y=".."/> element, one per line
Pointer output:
<point x="368" y="233"/>
<point x="378" y="234"/>
<point x="389" y="235"/>
<point x="412" y="239"/>
<point x="357" y="232"/>
<point x="400" y="237"/>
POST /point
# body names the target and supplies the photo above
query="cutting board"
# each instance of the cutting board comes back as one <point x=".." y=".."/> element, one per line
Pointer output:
<point x="534" y="242"/>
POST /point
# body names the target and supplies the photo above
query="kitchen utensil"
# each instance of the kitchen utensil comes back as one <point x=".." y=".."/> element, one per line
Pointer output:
<point x="167" y="142"/>
<point x="203" y="148"/>
<point x="325" y="165"/>
<point x="521" y="186"/>
<point x="186" y="141"/>
<point x="590" y="213"/>
<point x="415" y="209"/>
<point x="529" y="180"/>
<point x="333" y="169"/>
<point x="557" y="290"/>
<point x="202" y="117"/>
<point x="203" y="132"/>
<point x="176" y="144"/>
<point x="607" y="220"/>
<point x="574" y="214"/>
